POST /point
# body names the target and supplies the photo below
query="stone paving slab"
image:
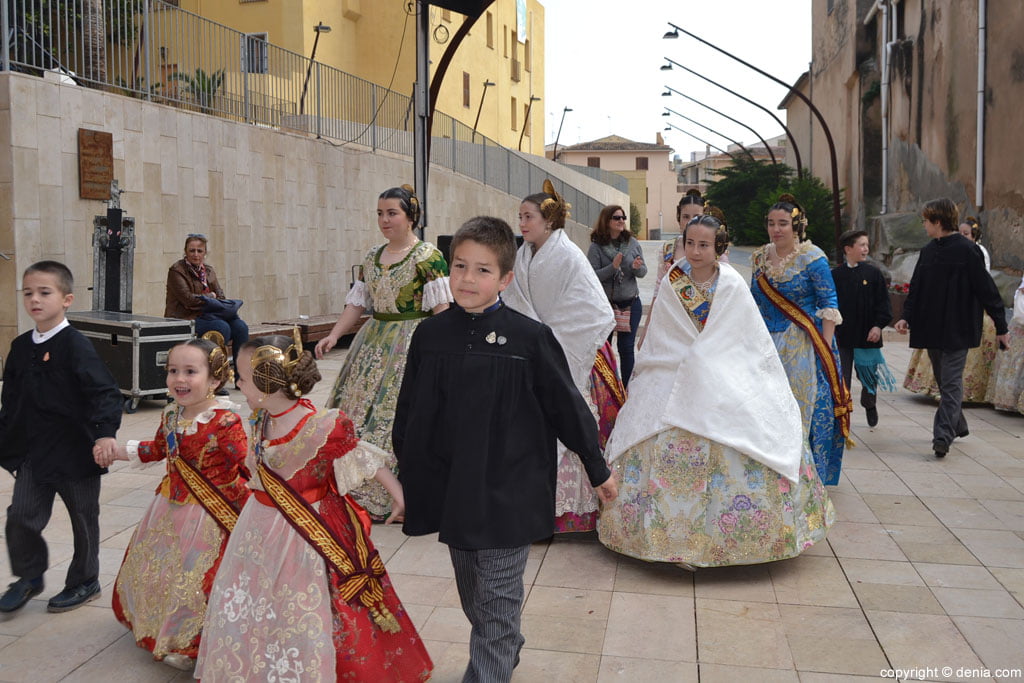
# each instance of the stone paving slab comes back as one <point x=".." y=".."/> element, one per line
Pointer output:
<point x="924" y="569"/>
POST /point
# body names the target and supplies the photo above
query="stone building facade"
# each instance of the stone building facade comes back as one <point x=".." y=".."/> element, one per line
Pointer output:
<point x="922" y="58"/>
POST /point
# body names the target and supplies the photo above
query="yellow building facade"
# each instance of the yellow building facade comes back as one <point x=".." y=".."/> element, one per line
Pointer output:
<point x="376" y="40"/>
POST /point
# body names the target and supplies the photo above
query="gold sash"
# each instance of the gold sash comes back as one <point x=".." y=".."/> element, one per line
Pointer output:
<point x="208" y="495"/>
<point x="841" y="400"/>
<point x="358" y="573"/>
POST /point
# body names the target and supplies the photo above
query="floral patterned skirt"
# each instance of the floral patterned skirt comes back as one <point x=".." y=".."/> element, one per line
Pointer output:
<point x="367" y="392"/>
<point x="684" y="498"/>
<point x="165" y="578"/>
<point x="274" y="615"/>
<point x="1006" y="386"/>
<point x="977" y="369"/>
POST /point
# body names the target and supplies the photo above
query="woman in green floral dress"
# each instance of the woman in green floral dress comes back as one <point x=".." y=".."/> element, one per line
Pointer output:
<point x="709" y="451"/>
<point x="403" y="281"/>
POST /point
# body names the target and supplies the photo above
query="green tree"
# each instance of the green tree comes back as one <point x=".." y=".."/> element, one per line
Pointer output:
<point x="636" y="221"/>
<point x="745" y="190"/>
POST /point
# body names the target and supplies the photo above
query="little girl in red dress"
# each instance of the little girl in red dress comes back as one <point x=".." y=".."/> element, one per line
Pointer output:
<point x="165" y="578"/>
<point x="302" y="591"/>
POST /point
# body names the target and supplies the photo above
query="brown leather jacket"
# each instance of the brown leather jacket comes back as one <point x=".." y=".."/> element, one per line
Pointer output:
<point x="184" y="288"/>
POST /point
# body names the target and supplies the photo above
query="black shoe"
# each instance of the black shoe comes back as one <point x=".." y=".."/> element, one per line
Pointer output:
<point x="940" y="449"/>
<point x="72" y="598"/>
<point x="20" y="592"/>
<point x="872" y="414"/>
<point x="964" y="433"/>
<point x="223" y="392"/>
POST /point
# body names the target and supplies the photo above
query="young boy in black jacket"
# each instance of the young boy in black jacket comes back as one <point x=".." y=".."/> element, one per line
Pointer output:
<point x="864" y="302"/>
<point x="486" y="393"/>
<point x="59" y="400"/>
<point x="948" y="291"/>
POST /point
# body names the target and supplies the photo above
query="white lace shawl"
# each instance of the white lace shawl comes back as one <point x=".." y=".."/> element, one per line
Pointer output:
<point x="725" y="383"/>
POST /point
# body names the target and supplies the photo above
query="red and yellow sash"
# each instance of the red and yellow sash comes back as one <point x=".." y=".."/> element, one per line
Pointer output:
<point x="358" y="572"/>
<point x="202" y="489"/>
<point x="208" y="495"/>
<point x="611" y="380"/>
<point x="843" y="404"/>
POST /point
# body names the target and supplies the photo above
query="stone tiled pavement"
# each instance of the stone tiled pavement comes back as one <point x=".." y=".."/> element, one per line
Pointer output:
<point x="924" y="569"/>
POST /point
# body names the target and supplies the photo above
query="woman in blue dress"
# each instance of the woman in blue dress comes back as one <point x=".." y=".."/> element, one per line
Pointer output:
<point x="792" y="285"/>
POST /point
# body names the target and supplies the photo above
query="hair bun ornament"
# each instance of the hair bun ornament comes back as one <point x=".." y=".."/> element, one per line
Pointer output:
<point x="272" y="368"/>
<point x="414" y="202"/>
<point x="711" y="210"/>
<point x="219" y="362"/>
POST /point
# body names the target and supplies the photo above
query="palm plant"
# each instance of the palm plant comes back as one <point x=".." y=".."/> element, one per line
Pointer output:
<point x="201" y="86"/>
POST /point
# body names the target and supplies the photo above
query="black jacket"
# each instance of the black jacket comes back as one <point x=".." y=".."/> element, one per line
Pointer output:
<point x="58" y="398"/>
<point x="864" y="303"/>
<point x="483" y="400"/>
<point x="948" y="291"/>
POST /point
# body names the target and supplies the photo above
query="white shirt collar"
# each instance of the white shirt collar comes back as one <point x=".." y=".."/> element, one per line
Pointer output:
<point x="39" y="337"/>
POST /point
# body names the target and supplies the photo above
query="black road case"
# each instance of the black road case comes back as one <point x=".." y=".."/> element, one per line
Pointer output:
<point x="134" y="347"/>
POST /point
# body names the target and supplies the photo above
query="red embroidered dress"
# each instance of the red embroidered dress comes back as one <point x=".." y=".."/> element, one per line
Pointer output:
<point x="168" y="569"/>
<point x="274" y="608"/>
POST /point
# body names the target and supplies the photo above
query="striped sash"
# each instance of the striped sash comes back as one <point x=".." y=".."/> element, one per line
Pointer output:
<point x="358" y="572"/>
<point x="843" y="404"/>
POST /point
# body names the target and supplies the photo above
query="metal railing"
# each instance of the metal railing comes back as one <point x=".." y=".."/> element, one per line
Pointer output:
<point x="153" y="50"/>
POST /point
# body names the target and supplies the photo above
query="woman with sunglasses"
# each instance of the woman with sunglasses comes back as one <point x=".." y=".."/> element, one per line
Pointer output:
<point x="618" y="260"/>
<point x="188" y="281"/>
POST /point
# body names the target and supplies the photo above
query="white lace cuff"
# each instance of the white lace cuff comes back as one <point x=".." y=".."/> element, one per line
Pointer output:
<point x="436" y="292"/>
<point x="359" y="295"/>
<point x="358" y="465"/>
<point x="133" y="455"/>
<point x="832" y="314"/>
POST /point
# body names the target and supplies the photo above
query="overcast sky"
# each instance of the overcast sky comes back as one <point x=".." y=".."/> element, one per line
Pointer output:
<point x="602" y="59"/>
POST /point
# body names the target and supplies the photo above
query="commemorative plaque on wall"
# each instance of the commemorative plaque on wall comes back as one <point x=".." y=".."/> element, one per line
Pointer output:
<point x="95" y="163"/>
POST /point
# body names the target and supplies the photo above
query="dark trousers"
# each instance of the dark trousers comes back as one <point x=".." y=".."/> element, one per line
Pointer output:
<point x="235" y="331"/>
<point x="29" y="513"/>
<point x="626" y="341"/>
<point x="867" y="399"/>
<point x="490" y="584"/>
<point x="948" y="368"/>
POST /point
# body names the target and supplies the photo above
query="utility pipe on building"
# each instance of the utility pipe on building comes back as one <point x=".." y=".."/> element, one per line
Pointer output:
<point x="979" y="170"/>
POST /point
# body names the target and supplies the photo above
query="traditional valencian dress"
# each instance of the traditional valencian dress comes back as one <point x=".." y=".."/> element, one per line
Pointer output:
<point x="302" y="594"/>
<point x="709" y="451"/>
<point x="978" y="369"/>
<point x="1006" y="390"/>
<point x="162" y="588"/>
<point x="399" y="296"/>
<point x="558" y="287"/>
<point x="794" y="297"/>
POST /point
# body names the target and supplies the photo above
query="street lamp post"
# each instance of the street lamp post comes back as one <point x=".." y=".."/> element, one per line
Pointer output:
<point x="526" y="120"/>
<point x="669" y="126"/>
<point x="789" y="134"/>
<point x="706" y="106"/>
<point x="318" y="29"/>
<point x="483" y="93"/>
<point x="711" y="130"/>
<point x="554" y="153"/>
<point x="836" y="210"/>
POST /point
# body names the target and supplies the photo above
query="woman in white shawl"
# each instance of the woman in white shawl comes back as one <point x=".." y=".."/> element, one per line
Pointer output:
<point x="555" y="284"/>
<point x="713" y="466"/>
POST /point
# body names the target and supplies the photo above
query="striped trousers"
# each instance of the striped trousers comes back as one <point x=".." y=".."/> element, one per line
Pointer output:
<point x="29" y="513"/>
<point x="490" y="584"/>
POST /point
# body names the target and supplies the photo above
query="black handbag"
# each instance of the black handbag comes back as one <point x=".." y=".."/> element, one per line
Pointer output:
<point x="220" y="309"/>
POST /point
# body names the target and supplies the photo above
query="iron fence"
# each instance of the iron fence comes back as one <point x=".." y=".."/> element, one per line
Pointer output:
<point x="153" y="50"/>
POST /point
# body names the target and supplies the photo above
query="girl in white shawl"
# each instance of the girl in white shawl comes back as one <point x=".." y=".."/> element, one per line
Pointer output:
<point x="555" y="284"/>
<point x="713" y="465"/>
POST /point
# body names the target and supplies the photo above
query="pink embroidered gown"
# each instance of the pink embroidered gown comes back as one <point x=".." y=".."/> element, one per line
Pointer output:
<point x="274" y="612"/>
